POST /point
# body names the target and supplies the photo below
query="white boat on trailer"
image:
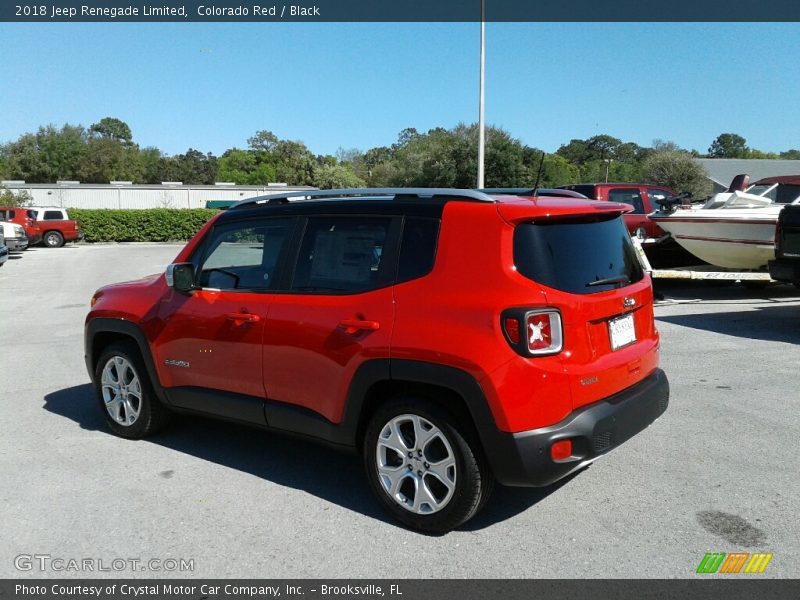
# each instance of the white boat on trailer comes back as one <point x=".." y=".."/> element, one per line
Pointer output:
<point x="734" y="229"/>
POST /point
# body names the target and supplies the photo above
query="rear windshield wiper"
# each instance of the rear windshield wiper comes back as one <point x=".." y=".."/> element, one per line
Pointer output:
<point x="622" y="279"/>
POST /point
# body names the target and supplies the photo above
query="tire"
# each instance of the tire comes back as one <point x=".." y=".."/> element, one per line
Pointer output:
<point x="53" y="239"/>
<point x="133" y="411"/>
<point x="433" y="488"/>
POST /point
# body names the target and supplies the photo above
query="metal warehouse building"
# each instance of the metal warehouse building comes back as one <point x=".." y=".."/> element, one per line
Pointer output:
<point x="123" y="194"/>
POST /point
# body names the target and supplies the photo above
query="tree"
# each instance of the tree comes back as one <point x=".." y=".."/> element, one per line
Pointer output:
<point x="113" y="129"/>
<point x="728" y="145"/>
<point x="108" y="159"/>
<point x="20" y="199"/>
<point x="677" y="170"/>
<point x="46" y="156"/>
<point x="336" y="176"/>
<point x="246" y="167"/>
<point x="196" y="168"/>
<point x="263" y="140"/>
<point x="294" y="163"/>
<point x="790" y="155"/>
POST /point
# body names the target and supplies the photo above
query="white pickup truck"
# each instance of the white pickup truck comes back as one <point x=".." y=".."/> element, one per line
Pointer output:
<point x="3" y="249"/>
<point x="14" y="236"/>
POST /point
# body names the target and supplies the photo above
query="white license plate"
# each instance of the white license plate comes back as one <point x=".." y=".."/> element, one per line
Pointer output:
<point x="622" y="332"/>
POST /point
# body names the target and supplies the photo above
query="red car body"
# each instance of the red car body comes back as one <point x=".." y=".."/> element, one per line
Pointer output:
<point x="26" y="218"/>
<point x="319" y="363"/>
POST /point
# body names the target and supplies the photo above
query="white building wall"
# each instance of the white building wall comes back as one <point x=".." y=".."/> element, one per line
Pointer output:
<point x="140" y="196"/>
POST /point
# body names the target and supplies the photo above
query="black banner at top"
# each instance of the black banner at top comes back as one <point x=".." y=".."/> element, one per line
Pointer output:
<point x="44" y="11"/>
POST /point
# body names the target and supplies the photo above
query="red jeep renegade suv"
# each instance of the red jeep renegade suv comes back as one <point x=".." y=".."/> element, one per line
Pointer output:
<point x="453" y="338"/>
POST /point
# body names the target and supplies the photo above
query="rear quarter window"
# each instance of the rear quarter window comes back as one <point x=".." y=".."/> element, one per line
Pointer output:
<point x="584" y="255"/>
<point x="53" y="215"/>
<point x="418" y="248"/>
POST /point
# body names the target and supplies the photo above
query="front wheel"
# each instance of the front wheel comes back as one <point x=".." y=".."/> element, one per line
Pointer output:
<point x="424" y="467"/>
<point x="129" y="404"/>
<point x="53" y="239"/>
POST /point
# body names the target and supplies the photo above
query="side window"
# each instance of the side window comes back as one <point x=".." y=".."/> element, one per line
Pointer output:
<point x="5" y="215"/>
<point x="341" y="254"/>
<point x="656" y="195"/>
<point x="628" y="196"/>
<point x="53" y="215"/>
<point x="417" y="248"/>
<point x="245" y="255"/>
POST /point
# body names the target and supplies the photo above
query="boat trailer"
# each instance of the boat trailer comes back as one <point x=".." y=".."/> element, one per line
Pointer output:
<point x="706" y="272"/>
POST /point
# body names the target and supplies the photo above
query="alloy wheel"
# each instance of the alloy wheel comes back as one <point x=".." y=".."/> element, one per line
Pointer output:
<point x="416" y="464"/>
<point x="122" y="390"/>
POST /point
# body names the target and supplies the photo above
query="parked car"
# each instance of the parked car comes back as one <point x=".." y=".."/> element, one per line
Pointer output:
<point x="3" y="248"/>
<point x="15" y="238"/>
<point x="25" y="217"/>
<point x="377" y="323"/>
<point x="786" y="266"/>
<point x="57" y="228"/>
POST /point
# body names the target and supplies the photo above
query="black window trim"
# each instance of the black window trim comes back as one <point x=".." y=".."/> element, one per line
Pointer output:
<point x="400" y="248"/>
<point x="201" y="252"/>
<point x="387" y="270"/>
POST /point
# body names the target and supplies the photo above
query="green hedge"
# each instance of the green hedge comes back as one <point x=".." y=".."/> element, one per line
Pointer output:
<point x="150" y="225"/>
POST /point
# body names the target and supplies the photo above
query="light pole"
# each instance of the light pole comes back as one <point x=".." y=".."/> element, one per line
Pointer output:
<point x="481" y="132"/>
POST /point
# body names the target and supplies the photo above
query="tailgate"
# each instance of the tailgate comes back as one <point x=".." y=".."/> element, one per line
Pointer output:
<point x="611" y="344"/>
<point x="591" y="273"/>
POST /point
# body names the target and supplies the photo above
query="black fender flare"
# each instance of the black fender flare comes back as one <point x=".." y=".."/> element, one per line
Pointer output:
<point x="124" y="328"/>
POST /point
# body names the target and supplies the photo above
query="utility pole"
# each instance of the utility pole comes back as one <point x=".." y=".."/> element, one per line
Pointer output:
<point x="481" y="132"/>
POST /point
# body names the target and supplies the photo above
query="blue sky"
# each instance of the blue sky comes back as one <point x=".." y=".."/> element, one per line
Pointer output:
<point x="331" y="85"/>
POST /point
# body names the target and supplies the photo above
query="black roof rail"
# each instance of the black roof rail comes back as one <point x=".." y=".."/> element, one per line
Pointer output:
<point x="532" y="192"/>
<point x="510" y="191"/>
<point x="396" y="193"/>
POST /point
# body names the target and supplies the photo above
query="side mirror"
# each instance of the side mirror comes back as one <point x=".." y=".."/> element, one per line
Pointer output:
<point x="180" y="276"/>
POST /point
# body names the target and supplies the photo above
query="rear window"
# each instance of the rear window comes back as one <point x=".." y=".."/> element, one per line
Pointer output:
<point x="577" y="256"/>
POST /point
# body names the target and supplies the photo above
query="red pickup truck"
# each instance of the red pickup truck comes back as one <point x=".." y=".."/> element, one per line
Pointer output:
<point x="57" y="228"/>
<point x="25" y="217"/>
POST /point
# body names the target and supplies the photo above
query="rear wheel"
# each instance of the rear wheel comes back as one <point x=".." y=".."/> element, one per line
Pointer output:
<point x="53" y="239"/>
<point x="129" y="404"/>
<point x="424" y="467"/>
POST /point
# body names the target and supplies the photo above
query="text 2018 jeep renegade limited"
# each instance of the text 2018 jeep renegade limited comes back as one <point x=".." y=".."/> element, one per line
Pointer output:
<point x="453" y="338"/>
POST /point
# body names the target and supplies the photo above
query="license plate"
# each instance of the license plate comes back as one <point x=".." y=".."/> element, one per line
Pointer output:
<point x="621" y="331"/>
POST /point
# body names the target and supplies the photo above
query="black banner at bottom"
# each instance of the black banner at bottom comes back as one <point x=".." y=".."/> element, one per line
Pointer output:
<point x="398" y="589"/>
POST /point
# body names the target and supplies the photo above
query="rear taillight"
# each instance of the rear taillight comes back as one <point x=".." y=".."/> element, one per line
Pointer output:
<point x="533" y="332"/>
<point x="511" y="327"/>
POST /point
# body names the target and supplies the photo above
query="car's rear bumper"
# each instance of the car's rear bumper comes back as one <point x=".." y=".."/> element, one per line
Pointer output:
<point x="785" y="269"/>
<point x="523" y="459"/>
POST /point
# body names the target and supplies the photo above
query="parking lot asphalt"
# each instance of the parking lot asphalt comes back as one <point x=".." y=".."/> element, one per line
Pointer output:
<point x="717" y="473"/>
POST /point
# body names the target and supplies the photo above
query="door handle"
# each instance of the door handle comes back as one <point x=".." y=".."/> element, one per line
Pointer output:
<point x="353" y="325"/>
<point x="243" y="317"/>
